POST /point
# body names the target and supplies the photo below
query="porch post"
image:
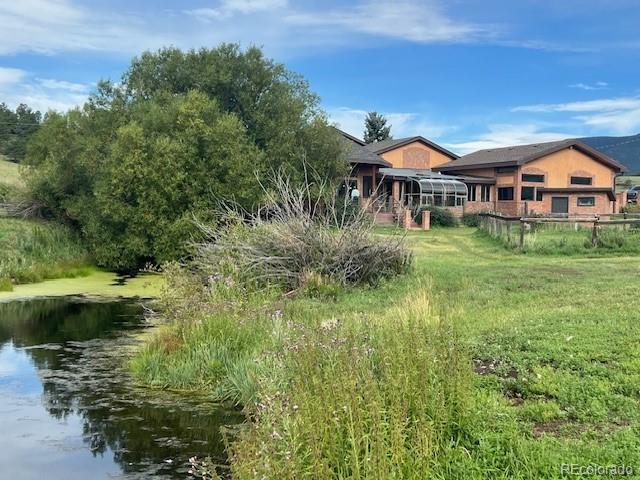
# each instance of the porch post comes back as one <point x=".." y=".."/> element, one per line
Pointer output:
<point x="395" y="193"/>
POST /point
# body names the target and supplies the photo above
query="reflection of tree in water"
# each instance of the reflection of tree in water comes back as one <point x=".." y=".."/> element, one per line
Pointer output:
<point x="79" y="359"/>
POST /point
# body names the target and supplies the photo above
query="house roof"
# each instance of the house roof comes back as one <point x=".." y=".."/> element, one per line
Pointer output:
<point x="357" y="154"/>
<point x="391" y="144"/>
<point x="521" y="154"/>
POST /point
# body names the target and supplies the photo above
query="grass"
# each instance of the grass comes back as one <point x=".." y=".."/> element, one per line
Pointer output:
<point x="33" y="251"/>
<point x="480" y="363"/>
<point x="9" y="173"/>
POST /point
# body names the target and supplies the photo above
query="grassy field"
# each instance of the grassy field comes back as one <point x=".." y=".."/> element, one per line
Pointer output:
<point x="625" y="182"/>
<point x="481" y="363"/>
<point x="9" y="173"/>
<point x="33" y="251"/>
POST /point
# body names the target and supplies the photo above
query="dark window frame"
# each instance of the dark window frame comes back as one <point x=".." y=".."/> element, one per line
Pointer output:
<point x="529" y="198"/>
<point x="367" y="179"/>
<point x="538" y="195"/>
<point x="532" y="177"/>
<point x="485" y="189"/>
<point x="471" y="192"/>
<point x="577" y="180"/>
<point x="592" y="204"/>
<point x="505" y="169"/>
<point x="506" y="190"/>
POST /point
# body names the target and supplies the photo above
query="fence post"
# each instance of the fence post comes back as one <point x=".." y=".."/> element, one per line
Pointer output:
<point x="594" y="233"/>
<point x="522" y="234"/>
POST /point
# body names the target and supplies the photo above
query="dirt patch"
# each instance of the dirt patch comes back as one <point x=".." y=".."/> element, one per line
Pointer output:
<point x="494" y="367"/>
<point x="566" y="428"/>
<point x="553" y="427"/>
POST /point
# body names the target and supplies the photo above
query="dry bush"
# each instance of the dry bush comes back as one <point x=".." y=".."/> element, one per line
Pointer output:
<point x="300" y="230"/>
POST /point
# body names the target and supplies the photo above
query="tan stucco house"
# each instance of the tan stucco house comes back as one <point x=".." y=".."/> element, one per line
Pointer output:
<point x="564" y="177"/>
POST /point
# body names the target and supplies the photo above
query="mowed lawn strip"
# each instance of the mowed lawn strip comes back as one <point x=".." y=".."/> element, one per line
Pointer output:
<point x="555" y="349"/>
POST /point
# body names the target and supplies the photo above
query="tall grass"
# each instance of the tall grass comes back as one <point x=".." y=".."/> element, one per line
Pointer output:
<point x="361" y="399"/>
<point x="33" y="251"/>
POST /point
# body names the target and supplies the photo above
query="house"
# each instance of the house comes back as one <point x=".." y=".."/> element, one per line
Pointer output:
<point x="563" y="177"/>
<point x="397" y="174"/>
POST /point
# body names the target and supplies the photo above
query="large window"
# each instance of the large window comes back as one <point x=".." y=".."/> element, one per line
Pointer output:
<point x="586" y="201"/>
<point x="527" y="193"/>
<point x="530" y="177"/>
<point x="505" y="193"/>
<point x="505" y="169"/>
<point x="471" y="192"/>
<point x="367" y="186"/>
<point x="581" y="180"/>
<point x="485" y="193"/>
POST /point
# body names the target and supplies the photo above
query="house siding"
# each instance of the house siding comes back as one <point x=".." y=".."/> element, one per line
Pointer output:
<point x="415" y="155"/>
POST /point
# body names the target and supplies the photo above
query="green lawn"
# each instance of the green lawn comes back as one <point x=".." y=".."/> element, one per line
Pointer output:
<point x="533" y="362"/>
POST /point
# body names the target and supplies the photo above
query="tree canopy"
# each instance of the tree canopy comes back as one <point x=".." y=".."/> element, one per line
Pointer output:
<point x="183" y="130"/>
<point x="16" y="127"/>
<point x="376" y="128"/>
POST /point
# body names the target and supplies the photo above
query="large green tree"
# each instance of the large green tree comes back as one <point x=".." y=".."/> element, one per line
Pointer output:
<point x="182" y="131"/>
<point x="376" y="128"/>
<point x="16" y="128"/>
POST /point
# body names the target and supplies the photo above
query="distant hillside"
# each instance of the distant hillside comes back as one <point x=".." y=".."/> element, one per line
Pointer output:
<point x="9" y="173"/>
<point x="626" y="150"/>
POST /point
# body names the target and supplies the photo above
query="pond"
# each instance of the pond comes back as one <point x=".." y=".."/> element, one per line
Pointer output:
<point x="69" y="409"/>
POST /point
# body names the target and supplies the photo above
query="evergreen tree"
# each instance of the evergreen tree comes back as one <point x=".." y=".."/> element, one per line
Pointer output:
<point x="376" y="128"/>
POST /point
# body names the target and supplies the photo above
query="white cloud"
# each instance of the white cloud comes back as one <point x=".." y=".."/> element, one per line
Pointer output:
<point x="403" y="124"/>
<point x="421" y="22"/>
<point x="504" y="135"/>
<point x="53" y="84"/>
<point x="41" y="94"/>
<point x="618" y="116"/>
<point x="228" y="8"/>
<point x="10" y="76"/>
<point x="586" y="86"/>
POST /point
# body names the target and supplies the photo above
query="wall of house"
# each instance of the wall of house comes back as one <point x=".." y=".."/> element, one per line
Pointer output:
<point x="415" y="155"/>
<point x="560" y="166"/>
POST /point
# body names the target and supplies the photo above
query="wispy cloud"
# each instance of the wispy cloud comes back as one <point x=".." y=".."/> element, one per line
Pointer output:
<point x="619" y="116"/>
<point x="229" y="8"/>
<point x="18" y="86"/>
<point x="504" y="135"/>
<point x="10" y="76"/>
<point x="422" y="22"/>
<point x="594" y="86"/>
<point x="403" y="124"/>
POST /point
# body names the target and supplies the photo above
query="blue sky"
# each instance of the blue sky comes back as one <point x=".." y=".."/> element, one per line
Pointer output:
<point x="466" y="74"/>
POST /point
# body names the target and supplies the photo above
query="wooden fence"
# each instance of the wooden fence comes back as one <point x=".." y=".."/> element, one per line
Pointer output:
<point x="513" y="230"/>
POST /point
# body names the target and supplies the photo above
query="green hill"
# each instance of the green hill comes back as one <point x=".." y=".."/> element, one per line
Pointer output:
<point x="626" y="150"/>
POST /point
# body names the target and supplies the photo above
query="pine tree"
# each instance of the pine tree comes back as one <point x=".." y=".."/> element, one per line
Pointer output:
<point x="375" y="128"/>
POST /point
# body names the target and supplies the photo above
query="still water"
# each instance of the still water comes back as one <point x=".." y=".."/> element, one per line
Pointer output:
<point x="68" y="409"/>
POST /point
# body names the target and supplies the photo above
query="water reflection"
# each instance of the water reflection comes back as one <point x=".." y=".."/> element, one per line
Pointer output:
<point x="67" y="406"/>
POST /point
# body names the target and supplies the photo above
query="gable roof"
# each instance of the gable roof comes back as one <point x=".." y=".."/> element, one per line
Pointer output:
<point x="358" y="154"/>
<point x="391" y="144"/>
<point x="521" y="154"/>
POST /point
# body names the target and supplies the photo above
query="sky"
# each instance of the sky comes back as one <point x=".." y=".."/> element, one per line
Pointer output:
<point x="467" y="74"/>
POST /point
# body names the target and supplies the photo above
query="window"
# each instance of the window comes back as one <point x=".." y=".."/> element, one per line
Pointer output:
<point x="505" y="169"/>
<point x="527" y="193"/>
<point x="505" y="193"/>
<point x="529" y="177"/>
<point x="586" y="201"/>
<point x="471" y="192"/>
<point x="367" y="186"/>
<point x="485" y="193"/>
<point x="581" y="180"/>
<point x="538" y="195"/>
<point x="459" y="201"/>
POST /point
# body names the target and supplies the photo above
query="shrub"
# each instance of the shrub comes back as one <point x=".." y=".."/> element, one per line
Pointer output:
<point x="471" y="219"/>
<point x="291" y="238"/>
<point x="440" y="217"/>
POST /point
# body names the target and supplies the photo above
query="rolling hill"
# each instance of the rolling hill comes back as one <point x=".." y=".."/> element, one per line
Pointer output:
<point x="626" y="150"/>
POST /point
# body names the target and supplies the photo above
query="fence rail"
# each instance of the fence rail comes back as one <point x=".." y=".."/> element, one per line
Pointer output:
<point x="513" y="230"/>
